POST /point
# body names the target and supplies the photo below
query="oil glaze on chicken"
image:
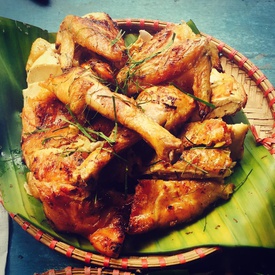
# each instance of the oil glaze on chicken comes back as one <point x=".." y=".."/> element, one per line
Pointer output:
<point x="108" y="129"/>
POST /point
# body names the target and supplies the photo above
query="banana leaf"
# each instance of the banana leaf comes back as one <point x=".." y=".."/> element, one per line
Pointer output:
<point x="247" y="219"/>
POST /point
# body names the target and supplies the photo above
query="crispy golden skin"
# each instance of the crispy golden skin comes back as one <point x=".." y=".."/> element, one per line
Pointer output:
<point x="75" y="124"/>
<point x="160" y="204"/>
<point x="166" y="105"/>
<point x="172" y="54"/>
<point x="52" y="150"/>
<point x="210" y="132"/>
<point x="194" y="164"/>
<point x="79" y="88"/>
<point x="97" y="32"/>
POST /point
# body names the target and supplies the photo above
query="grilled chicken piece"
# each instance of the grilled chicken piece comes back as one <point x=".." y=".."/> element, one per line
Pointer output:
<point x="194" y="163"/>
<point x="52" y="149"/>
<point x="99" y="216"/>
<point x="82" y="89"/>
<point x="215" y="133"/>
<point x="166" y="105"/>
<point x="160" y="204"/>
<point x="171" y="53"/>
<point x="97" y="32"/>
<point x="210" y="133"/>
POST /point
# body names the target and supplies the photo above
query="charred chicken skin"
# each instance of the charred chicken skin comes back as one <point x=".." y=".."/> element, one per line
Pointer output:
<point x="94" y="105"/>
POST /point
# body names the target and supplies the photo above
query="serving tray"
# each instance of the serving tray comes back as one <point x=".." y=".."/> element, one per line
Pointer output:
<point x="259" y="112"/>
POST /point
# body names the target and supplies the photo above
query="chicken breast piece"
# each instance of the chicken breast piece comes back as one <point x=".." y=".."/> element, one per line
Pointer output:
<point x="197" y="163"/>
<point x="161" y="204"/>
<point x="210" y="133"/>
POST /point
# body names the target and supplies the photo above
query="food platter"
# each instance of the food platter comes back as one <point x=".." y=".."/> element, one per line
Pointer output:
<point x="228" y="225"/>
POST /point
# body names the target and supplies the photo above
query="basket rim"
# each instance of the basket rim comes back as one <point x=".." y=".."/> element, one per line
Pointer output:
<point x="177" y="258"/>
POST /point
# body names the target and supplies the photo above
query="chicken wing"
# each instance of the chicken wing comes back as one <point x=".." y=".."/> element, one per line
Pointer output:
<point x="171" y="53"/>
<point x="97" y="32"/>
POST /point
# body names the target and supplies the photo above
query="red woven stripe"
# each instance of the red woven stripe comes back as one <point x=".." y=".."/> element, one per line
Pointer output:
<point x="124" y="263"/>
<point x="271" y="102"/>
<point x="51" y="272"/>
<point x="209" y="37"/>
<point x="144" y="263"/>
<point x="200" y="252"/>
<point x="142" y="23"/>
<point x="162" y="262"/>
<point x="87" y="270"/>
<point x="68" y="270"/>
<point x="181" y="258"/>
<point x="106" y="262"/>
<point x="128" y="23"/>
<point x="25" y="225"/>
<point x="242" y="61"/>
<point x="220" y="46"/>
<point x="156" y="25"/>
<point x="38" y="235"/>
<point x="261" y="79"/>
<point x="232" y="54"/>
<point x="88" y="257"/>
<point x="12" y="215"/>
<point x="53" y="244"/>
<point x="252" y="71"/>
<point x="69" y="251"/>
<point x="267" y="91"/>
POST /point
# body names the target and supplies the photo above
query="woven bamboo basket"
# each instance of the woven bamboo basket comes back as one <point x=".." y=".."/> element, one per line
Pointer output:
<point x="260" y="111"/>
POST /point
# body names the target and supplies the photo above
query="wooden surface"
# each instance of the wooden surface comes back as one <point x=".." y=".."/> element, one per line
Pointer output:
<point x="246" y="25"/>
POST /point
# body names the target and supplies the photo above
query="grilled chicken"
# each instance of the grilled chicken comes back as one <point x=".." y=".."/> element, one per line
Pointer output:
<point x="80" y="88"/>
<point x="53" y="148"/>
<point x="166" y="105"/>
<point x="96" y="32"/>
<point x="173" y="52"/>
<point x="210" y="133"/>
<point x="160" y="204"/>
<point x="193" y="164"/>
<point x="78" y="124"/>
<point x="215" y="133"/>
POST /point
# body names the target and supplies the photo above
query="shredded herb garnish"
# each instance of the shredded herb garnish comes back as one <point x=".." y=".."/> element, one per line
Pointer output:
<point x="212" y="106"/>
<point x="244" y="180"/>
<point x="195" y="166"/>
<point x="118" y="37"/>
<point x="86" y="131"/>
<point x="133" y="64"/>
